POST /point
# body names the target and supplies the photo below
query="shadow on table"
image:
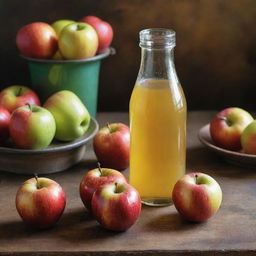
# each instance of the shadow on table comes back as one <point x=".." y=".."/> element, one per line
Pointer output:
<point x="203" y="160"/>
<point x="18" y="230"/>
<point x="70" y="220"/>
<point x="168" y="222"/>
<point x="79" y="225"/>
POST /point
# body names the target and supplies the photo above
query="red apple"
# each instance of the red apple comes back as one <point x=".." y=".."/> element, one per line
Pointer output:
<point x="37" y="40"/>
<point x="227" y="126"/>
<point x="248" y="139"/>
<point x="197" y="196"/>
<point x="116" y="206"/>
<point x="4" y="124"/>
<point x="103" y="29"/>
<point x="94" y="179"/>
<point x="40" y="202"/>
<point x="16" y="96"/>
<point x="112" y="146"/>
<point x="32" y="127"/>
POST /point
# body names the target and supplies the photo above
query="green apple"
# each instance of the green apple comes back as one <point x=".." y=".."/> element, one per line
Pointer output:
<point x="71" y="116"/>
<point x="60" y="24"/>
<point x="32" y="127"/>
<point x="248" y="138"/>
<point x="78" y="41"/>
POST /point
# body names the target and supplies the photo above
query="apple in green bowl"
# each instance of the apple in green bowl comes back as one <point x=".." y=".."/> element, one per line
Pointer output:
<point x="78" y="40"/>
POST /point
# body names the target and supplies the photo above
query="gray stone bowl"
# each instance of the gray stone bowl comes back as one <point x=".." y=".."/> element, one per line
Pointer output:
<point x="57" y="157"/>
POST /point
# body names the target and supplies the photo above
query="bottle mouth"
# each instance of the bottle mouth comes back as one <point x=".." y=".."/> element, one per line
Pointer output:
<point x="157" y="38"/>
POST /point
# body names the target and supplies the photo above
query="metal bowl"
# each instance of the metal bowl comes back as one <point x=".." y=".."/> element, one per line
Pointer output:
<point x="55" y="158"/>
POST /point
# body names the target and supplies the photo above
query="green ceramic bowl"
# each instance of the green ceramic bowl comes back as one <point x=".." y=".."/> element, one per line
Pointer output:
<point x="79" y="76"/>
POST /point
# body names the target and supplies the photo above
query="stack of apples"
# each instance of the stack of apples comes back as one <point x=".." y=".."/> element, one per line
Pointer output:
<point x="234" y="129"/>
<point x="105" y="192"/>
<point x="114" y="203"/>
<point x="30" y="126"/>
<point x="65" y="39"/>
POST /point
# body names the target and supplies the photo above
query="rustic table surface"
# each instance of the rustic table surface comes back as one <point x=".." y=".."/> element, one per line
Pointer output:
<point x="159" y="231"/>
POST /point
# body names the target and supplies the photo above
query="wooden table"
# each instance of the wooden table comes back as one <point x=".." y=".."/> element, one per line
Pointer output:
<point x="159" y="231"/>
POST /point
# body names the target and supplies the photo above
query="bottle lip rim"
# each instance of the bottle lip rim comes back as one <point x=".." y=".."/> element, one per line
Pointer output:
<point x="157" y="37"/>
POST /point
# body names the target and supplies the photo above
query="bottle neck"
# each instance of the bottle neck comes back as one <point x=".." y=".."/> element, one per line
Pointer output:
<point x="157" y="64"/>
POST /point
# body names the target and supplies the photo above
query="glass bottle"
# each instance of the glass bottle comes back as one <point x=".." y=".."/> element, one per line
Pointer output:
<point x="157" y="120"/>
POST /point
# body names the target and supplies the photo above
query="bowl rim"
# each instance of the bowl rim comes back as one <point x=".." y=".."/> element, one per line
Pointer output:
<point x="94" y="126"/>
<point x="205" y="131"/>
<point x="106" y="53"/>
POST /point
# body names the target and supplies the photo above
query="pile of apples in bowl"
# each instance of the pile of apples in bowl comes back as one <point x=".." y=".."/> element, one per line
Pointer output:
<point x="65" y="39"/>
<point x="30" y="126"/>
<point x="42" y="138"/>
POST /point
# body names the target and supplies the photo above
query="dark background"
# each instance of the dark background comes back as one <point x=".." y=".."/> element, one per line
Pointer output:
<point x="215" y="54"/>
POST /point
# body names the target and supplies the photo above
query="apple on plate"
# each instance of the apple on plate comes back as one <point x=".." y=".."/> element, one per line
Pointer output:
<point x="71" y="116"/>
<point x="78" y="40"/>
<point x="32" y="127"/>
<point x="40" y="202"/>
<point x="95" y="178"/>
<point x="112" y="146"/>
<point x="5" y="117"/>
<point x="248" y="139"/>
<point x="103" y="29"/>
<point x="227" y="126"/>
<point x="197" y="196"/>
<point x="16" y="96"/>
<point x="37" y="40"/>
<point x="116" y="206"/>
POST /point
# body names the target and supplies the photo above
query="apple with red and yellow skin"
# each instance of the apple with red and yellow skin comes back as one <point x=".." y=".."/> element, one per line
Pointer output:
<point x="96" y="178"/>
<point x="78" y="40"/>
<point x="197" y="196"/>
<point x="116" y="206"/>
<point x="5" y="117"/>
<point x="227" y="126"/>
<point x="32" y="127"/>
<point x="37" y="40"/>
<point x="16" y="96"/>
<point x="248" y="139"/>
<point x="40" y="202"/>
<point x="112" y="146"/>
<point x="103" y="29"/>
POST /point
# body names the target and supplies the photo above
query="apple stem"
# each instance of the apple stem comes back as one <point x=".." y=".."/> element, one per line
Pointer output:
<point x="29" y="106"/>
<point x="116" y="187"/>
<point x="36" y="177"/>
<point x="196" y="176"/>
<point x="99" y="168"/>
<point x="19" y="92"/>
<point x="223" y="118"/>
<point x="109" y="127"/>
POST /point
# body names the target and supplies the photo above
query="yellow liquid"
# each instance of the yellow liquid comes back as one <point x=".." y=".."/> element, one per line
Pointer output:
<point x="158" y="139"/>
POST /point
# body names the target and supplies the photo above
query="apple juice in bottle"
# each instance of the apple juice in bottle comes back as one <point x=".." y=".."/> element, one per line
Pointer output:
<point x="157" y="120"/>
